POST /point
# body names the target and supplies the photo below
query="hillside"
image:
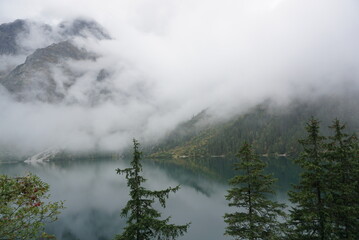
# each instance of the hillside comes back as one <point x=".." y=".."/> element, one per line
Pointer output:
<point x="274" y="131"/>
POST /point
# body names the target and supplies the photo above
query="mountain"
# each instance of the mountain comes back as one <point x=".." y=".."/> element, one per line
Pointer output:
<point x="35" y="79"/>
<point x="48" y="73"/>
<point x="8" y="36"/>
<point x="83" y="28"/>
<point x="274" y="131"/>
<point x="52" y="65"/>
<point x="14" y="36"/>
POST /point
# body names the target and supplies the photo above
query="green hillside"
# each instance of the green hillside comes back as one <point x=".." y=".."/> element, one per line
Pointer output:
<point x="274" y="131"/>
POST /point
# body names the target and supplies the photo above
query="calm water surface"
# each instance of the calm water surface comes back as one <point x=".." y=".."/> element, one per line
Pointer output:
<point x="94" y="194"/>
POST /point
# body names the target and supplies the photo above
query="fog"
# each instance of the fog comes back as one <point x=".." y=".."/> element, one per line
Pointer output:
<point x="169" y="60"/>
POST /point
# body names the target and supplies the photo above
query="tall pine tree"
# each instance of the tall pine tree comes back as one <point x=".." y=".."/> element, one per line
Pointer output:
<point x="309" y="216"/>
<point x="143" y="221"/>
<point x="256" y="216"/>
<point x="343" y="179"/>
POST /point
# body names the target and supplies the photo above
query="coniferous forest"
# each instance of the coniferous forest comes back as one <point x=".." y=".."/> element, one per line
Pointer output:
<point x="325" y="203"/>
<point x="271" y="131"/>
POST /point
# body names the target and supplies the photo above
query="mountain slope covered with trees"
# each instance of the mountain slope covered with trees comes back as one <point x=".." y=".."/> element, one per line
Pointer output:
<point x="273" y="131"/>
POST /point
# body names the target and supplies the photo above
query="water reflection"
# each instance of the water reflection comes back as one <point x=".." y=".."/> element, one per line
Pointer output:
<point x="94" y="194"/>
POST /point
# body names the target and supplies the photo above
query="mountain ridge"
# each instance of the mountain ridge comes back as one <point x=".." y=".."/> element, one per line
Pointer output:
<point x="33" y="80"/>
<point x="37" y="78"/>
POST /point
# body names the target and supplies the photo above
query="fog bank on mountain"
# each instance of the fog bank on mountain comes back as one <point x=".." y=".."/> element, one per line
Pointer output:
<point x="143" y="67"/>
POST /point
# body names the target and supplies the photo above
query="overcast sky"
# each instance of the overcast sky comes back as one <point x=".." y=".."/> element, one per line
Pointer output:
<point x="224" y="54"/>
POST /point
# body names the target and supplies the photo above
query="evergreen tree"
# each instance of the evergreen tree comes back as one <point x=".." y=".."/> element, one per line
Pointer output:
<point x="257" y="216"/>
<point x="309" y="216"/>
<point x="343" y="179"/>
<point x="143" y="221"/>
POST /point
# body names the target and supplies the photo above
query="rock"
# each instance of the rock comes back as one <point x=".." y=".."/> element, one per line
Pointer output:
<point x="8" y="36"/>
<point x="83" y="28"/>
<point x="35" y="80"/>
<point x="46" y="155"/>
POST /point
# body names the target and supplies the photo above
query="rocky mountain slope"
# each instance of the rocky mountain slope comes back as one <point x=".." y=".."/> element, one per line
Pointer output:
<point x="46" y="75"/>
<point x="43" y="63"/>
<point x="35" y="79"/>
<point x="8" y="37"/>
<point x="15" y="36"/>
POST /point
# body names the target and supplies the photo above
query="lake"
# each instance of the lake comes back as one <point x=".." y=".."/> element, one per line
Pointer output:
<point x="94" y="194"/>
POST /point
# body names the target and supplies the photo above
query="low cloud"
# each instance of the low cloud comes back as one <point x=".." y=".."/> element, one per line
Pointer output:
<point x="168" y="60"/>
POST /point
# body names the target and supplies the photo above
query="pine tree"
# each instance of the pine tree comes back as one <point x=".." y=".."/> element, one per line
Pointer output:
<point x="309" y="216"/>
<point x="257" y="216"/>
<point x="343" y="179"/>
<point x="143" y="221"/>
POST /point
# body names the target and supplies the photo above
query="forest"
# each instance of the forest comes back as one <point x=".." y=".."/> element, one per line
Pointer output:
<point x="272" y="131"/>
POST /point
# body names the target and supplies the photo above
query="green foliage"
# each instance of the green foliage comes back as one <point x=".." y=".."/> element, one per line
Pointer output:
<point x="343" y="176"/>
<point x="271" y="130"/>
<point x="268" y="133"/>
<point x="257" y="216"/>
<point x="143" y="221"/>
<point x="327" y="197"/>
<point x="308" y="217"/>
<point x="24" y="209"/>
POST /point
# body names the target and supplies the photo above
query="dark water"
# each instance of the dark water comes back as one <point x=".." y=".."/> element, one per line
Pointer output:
<point x="94" y="194"/>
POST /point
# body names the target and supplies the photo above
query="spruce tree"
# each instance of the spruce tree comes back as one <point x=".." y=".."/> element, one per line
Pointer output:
<point x="143" y="221"/>
<point x="343" y="179"/>
<point x="256" y="216"/>
<point x="309" y="215"/>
